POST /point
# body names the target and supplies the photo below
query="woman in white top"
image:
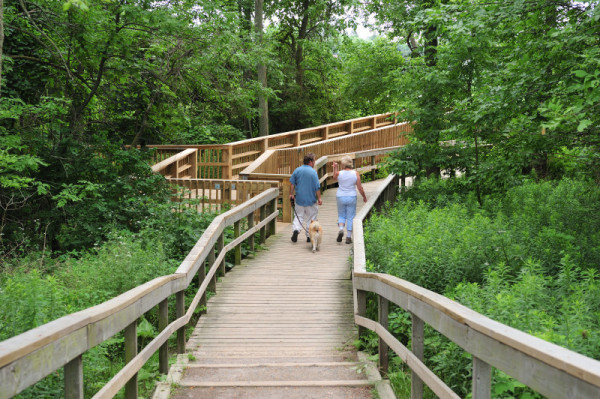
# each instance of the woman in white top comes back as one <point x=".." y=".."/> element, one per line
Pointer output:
<point x="348" y="181"/>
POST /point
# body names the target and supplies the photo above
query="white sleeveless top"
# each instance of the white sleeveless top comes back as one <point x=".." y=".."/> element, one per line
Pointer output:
<point x="347" y="183"/>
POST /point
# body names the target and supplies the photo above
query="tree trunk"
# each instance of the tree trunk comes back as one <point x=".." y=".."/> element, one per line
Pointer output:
<point x="302" y="33"/>
<point x="1" y="40"/>
<point x="263" y="104"/>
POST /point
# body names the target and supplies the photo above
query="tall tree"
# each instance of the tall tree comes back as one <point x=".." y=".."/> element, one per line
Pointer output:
<point x="500" y="69"/>
<point x="263" y="104"/>
<point x="1" y="40"/>
<point x="305" y="31"/>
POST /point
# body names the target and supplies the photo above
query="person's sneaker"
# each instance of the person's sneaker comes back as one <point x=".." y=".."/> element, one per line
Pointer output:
<point x="348" y="240"/>
<point x="295" y="236"/>
<point x="340" y="236"/>
<point x="307" y="239"/>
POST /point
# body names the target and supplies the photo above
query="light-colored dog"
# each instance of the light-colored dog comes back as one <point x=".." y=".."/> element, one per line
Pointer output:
<point x="315" y="232"/>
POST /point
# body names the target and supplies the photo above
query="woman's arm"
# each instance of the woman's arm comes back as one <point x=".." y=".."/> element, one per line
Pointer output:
<point x="360" y="187"/>
<point x="336" y="171"/>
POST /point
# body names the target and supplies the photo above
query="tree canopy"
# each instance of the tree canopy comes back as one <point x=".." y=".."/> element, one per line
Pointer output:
<point x="513" y="83"/>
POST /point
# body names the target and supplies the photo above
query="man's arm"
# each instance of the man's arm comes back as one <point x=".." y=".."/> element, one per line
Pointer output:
<point x="319" y="201"/>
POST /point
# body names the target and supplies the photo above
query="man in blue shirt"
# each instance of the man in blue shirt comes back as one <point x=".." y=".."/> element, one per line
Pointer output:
<point x="306" y="191"/>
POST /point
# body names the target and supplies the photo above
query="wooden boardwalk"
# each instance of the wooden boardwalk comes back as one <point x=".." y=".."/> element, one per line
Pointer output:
<point x="281" y="325"/>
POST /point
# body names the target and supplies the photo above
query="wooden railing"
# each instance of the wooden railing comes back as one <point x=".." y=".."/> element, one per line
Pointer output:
<point x="29" y="357"/>
<point x="182" y="165"/>
<point x="551" y="370"/>
<point x="228" y="160"/>
<point x="275" y="166"/>
<point x="284" y="161"/>
<point x="215" y="194"/>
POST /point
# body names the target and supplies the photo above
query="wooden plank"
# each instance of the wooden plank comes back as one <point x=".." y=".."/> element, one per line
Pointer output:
<point x="344" y="383"/>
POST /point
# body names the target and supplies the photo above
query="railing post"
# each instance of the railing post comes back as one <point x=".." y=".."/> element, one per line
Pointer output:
<point x="272" y="223"/>
<point x="297" y="139"/>
<point x="265" y="145"/>
<point x="220" y="246"/>
<point x="482" y="379"/>
<point x="263" y="230"/>
<point x="194" y="171"/>
<point x="373" y="171"/>
<point x="131" y="387"/>
<point x="163" y="321"/>
<point x="287" y="206"/>
<point x="180" y="309"/>
<point x="73" y="378"/>
<point x="201" y="277"/>
<point x="212" y="286"/>
<point x="326" y="133"/>
<point x="384" y="307"/>
<point x="361" y="308"/>
<point x="226" y="158"/>
<point x="238" y="248"/>
<point x="418" y="332"/>
<point x="250" y="226"/>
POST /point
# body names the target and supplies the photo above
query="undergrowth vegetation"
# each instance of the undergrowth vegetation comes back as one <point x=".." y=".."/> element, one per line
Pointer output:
<point x="42" y="287"/>
<point x="529" y="259"/>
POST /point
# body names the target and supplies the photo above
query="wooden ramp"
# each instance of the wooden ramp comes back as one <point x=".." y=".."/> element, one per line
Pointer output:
<point x="281" y="325"/>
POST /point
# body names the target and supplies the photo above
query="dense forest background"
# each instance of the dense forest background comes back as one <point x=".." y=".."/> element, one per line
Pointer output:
<point x="511" y="89"/>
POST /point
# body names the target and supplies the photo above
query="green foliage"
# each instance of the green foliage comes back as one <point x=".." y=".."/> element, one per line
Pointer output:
<point x="370" y="69"/>
<point x="418" y="244"/>
<point x="446" y="239"/>
<point x="463" y="82"/>
<point x="528" y="259"/>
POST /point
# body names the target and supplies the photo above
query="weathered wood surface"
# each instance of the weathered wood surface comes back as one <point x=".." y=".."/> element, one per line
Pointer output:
<point x="282" y="320"/>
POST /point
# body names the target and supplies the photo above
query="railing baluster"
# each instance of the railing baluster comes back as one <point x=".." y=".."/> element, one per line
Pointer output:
<point x="220" y="245"/>
<point x="238" y="248"/>
<point x="180" y="309"/>
<point x="250" y="226"/>
<point x="212" y="286"/>
<point x="384" y="306"/>
<point x="272" y="223"/>
<point x="482" y="379"/>
<point x="131" y="387"/>
<point x="74" y="379"/>
<point x="263" y="230"/>
<point x="373" y="171"/>
<point x="418" y="332"/>
<point x="163" y="321"/>
<point x="201" y="277"/>
<point x="361" y="309"/>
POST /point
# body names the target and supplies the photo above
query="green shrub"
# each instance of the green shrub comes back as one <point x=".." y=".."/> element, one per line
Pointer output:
<point x="434" y="248"/>
<point x="528" y="259"/>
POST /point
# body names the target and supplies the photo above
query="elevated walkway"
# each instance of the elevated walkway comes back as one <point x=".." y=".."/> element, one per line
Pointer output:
<point x="281" y="325"/>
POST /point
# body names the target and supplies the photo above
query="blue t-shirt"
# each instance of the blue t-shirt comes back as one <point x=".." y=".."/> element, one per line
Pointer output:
<point x="306" y="183"/>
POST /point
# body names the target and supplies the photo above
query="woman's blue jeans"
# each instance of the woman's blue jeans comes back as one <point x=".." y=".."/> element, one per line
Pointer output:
<point x="346" y="207"/>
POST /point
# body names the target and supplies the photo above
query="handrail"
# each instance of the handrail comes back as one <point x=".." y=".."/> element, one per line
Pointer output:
<point x="214" y="194"/>
<point x="226" y="161"/>
<point x="287" y="159"/>
<point x="549" y="369"/>
<point x="171" y="167"/>
<point x="29" y="357"/>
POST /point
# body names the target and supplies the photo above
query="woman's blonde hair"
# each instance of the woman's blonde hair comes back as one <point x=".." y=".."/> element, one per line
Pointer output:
<point x="346" y="162"/>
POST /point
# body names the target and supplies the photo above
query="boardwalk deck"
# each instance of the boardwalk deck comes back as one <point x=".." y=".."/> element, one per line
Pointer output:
<point x="280" y="325"/>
